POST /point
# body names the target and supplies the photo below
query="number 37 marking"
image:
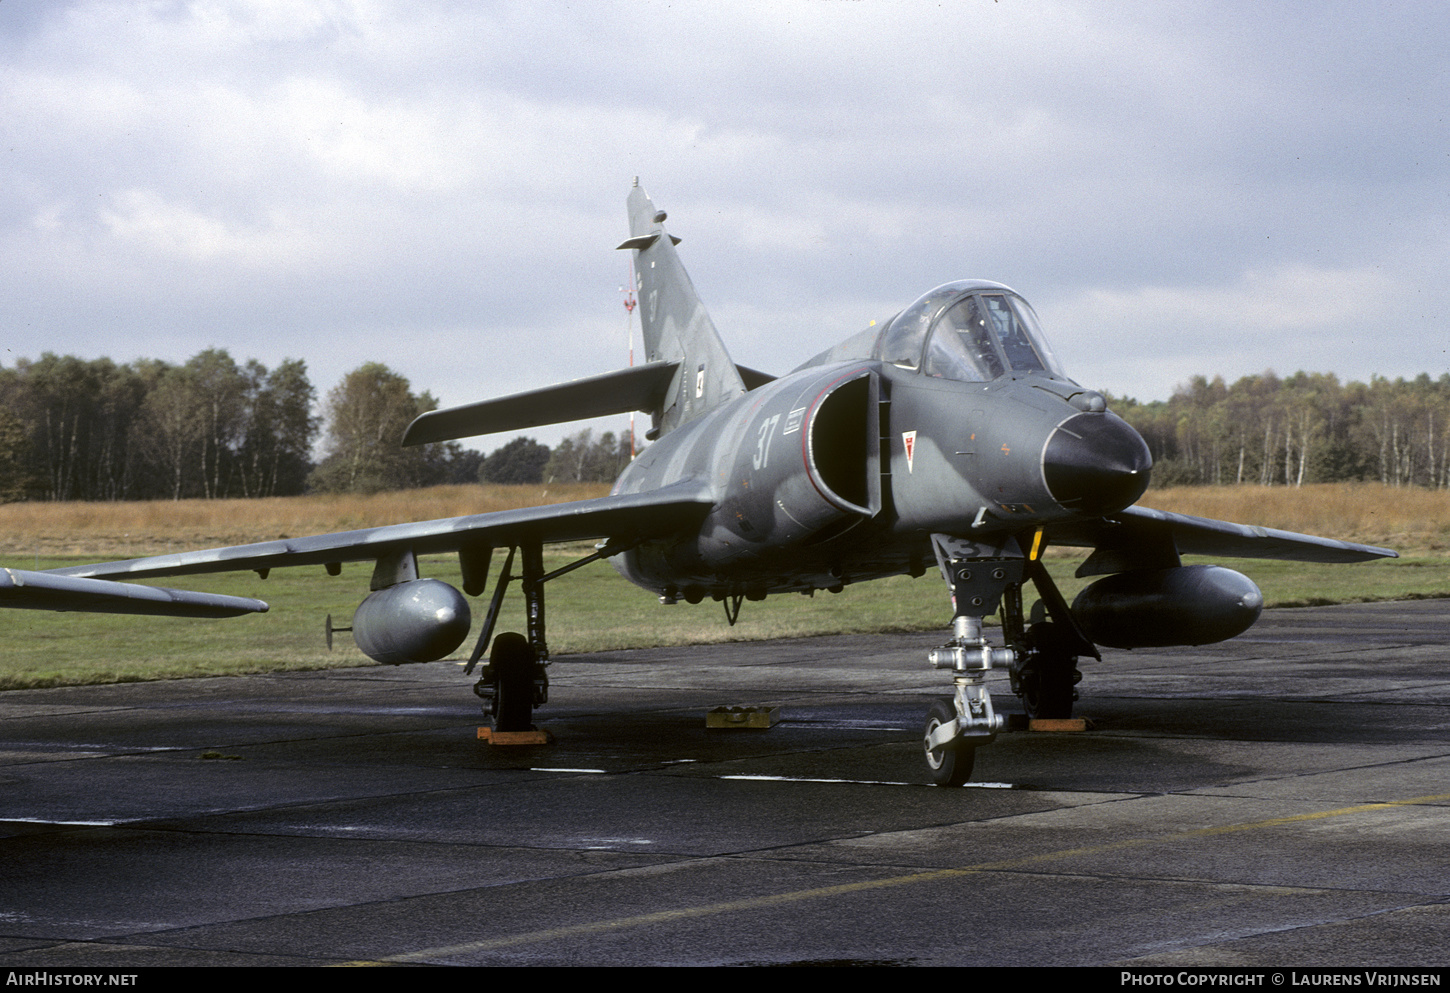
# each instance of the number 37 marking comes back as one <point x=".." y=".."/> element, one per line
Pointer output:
<point x="762" y="442"/>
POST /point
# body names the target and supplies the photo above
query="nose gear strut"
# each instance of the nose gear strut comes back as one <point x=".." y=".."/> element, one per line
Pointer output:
<point x="976" y="573"/>
<point x="1040" y="660"/>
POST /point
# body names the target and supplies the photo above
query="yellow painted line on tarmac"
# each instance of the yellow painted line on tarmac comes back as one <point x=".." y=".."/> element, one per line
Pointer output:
<point x="824" y="892"/>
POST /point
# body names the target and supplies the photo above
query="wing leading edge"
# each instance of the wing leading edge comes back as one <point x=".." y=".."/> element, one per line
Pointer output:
<point x="1142" y="538"/>
<point x="642" y="388"/>
<point x="633" y="516"/>
<point x="638" y="388"/>
<point x="25" y="590"/>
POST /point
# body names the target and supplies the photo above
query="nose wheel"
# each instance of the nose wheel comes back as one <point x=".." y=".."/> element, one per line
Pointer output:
<point x="950" y="764"/>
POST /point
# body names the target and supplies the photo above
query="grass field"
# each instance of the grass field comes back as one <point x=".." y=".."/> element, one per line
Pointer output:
<point x="592" y="609"/>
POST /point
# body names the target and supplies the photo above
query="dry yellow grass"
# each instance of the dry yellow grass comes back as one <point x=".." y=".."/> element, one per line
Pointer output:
<point x="126" y="530"/>
<point x="1409" y="520"/>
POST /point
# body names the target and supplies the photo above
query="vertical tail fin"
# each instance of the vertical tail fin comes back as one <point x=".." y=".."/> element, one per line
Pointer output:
<point x="676" y="326"/>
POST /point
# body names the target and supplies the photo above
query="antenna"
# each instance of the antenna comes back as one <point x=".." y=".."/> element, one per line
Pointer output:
<point x="629" y="304"/>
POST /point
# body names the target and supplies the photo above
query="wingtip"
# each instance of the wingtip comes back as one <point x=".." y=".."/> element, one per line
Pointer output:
<point x="413" y="434"/>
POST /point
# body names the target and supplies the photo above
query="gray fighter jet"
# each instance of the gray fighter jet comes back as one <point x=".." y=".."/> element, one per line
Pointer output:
<point x="947" y="436"/>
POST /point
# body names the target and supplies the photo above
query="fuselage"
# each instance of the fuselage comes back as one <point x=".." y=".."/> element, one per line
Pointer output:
<point x="841" y="470"/>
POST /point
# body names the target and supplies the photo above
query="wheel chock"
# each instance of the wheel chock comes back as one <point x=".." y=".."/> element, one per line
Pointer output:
<point x="742" y="717"/>
<point x="1059" y="724"/>
<point x="534" y="737"/>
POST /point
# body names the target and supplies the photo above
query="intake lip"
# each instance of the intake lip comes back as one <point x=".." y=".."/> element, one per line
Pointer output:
<point x="1096" y="463"/>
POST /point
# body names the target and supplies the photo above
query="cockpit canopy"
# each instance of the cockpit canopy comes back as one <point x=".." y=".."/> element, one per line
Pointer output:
<point x="971" y="330"/>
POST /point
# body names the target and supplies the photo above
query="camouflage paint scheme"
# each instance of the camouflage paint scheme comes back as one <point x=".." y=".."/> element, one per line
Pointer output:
<point x="946" y="435"/>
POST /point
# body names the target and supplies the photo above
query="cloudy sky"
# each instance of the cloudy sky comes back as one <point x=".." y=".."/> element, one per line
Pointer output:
<point x="1179" y="188"/>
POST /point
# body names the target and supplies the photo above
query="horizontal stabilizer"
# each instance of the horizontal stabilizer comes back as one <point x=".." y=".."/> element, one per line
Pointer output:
<point x="27" y="590"/>
<point x="623" y="519"/>
<point x="1140" y="537"/>
<point x="644" y="241"/>
<point x="639" y="388"/>
<point x="753" y="378"/>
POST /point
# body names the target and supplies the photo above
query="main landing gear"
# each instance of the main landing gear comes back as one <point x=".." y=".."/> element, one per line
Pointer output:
<point x="1047" y="675"/>
<point x="515" y="679"/>
<point x="1041" y="659"/>
<point x="512" y="684"/>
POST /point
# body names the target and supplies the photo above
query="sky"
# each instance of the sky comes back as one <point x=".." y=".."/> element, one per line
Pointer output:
<point x="1179" y="188"/>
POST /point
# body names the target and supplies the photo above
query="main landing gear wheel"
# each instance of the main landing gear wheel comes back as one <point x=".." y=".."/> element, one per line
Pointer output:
<point x="1047" y="680"/>
<point x="513" y="665"/>
<point x="951" y="764"/>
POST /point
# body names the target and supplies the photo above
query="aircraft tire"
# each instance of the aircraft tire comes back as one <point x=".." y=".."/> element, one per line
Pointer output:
<point x="513" y="683"/>
<point x="1048" y="679"/>
<point x="1047" y="694"/>
<point x="950" y="765"/>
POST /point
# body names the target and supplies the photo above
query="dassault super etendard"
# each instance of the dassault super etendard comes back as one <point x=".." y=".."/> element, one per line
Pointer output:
<point x="946" y="437"/>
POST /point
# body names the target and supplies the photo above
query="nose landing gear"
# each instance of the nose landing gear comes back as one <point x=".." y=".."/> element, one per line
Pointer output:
<point x="977" y="574"/>
<point x="1041" y="660"/>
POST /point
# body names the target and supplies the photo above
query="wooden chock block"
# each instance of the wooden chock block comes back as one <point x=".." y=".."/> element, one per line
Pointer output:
<point x="534" y="737"/>
<point x="1059" y="724"/>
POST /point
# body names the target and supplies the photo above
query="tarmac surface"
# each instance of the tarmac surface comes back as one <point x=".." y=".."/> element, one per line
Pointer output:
<point x="1279" y="799"/>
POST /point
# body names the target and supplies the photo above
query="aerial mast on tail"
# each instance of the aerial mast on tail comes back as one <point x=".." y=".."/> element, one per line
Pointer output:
<point x="629" y="304"/>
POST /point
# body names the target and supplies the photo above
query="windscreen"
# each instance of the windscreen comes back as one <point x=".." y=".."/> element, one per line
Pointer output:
<point x="985" y="335"/>
<point x="900" y="343"/>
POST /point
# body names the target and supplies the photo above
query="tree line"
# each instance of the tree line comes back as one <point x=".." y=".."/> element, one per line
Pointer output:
<point x="72" y="429"/>
<point x="579" y="458"/>
<point x="76" y="429"/>
<point x="1304" y="428"/>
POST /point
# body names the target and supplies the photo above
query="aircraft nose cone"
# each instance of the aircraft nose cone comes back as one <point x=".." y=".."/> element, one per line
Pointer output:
<point x="1096" y="463"/>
